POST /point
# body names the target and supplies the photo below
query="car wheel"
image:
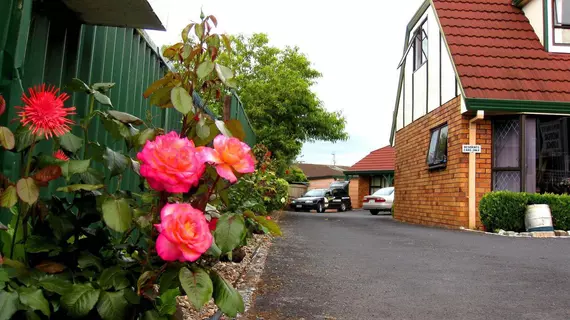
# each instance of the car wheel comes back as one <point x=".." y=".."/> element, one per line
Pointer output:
<point x="320" y="208"/>
<point x="374" y="212"/>
<point x="297" y="210"/>
<point x="342" y="207"/>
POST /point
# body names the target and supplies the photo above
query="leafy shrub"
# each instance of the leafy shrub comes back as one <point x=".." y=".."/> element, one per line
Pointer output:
<point x="261" y="192"/>
<point x="295" y="174"/>
<point x="506" y="210"/>
<point x="503" y="210"/>
<point x="91" y="250"/>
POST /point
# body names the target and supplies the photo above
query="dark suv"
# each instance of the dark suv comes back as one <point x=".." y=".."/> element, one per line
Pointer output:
<point x="323" y="199"/>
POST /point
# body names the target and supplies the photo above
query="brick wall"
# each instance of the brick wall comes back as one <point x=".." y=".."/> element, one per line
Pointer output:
<point x="439" y="197"/>
<point x="358" y="188"/>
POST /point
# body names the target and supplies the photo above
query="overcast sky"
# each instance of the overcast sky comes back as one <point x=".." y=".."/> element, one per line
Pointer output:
<point x="356" y="45"/>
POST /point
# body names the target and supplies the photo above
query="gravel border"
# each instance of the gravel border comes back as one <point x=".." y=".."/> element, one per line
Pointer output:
<point x="513" y="236"/>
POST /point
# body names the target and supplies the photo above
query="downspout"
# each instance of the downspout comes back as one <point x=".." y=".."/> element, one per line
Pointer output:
<point x="473" y="169"/>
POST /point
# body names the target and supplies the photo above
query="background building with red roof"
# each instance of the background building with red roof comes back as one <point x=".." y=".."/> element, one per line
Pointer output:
<point x="373" y="172"/>
<point x="492" y="74"/>
<point x="320" y="176"/>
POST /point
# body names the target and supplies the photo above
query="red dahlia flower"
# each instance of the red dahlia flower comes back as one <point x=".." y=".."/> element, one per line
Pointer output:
<point x="44" y="111"/>
<point x="60" y="155"/>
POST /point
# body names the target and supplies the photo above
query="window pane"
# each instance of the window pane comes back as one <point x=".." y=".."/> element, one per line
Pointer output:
<point x="553" y="161"/>
<point x="507" y="180"/>
<point x="376" y="181"/>
<point x="530" y="154"/>
<point x="432" y="147"/>
<point x="441" y="151"/>
<point x="562" y="9"/>
<point x="506" y="143"/>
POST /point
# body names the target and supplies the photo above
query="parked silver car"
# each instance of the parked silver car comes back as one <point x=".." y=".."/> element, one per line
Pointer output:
<point x="380" y="200"/>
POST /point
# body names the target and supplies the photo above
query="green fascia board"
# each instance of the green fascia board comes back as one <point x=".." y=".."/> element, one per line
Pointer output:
<point x="415" y="19"/>
<point x="518" y="106"/>
<point x="368" y="172"/>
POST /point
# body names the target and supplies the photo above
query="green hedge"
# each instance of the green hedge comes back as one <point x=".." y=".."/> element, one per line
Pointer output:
<point x="505" y="210"/>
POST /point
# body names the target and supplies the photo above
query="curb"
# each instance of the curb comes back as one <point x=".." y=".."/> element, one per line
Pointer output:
<point x="507" y="236"/>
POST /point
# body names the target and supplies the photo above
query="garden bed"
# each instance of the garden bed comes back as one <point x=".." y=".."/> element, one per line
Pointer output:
<point x="236" y="273"/>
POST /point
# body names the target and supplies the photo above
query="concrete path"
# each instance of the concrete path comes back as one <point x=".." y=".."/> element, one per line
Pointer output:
<point x="357" y="266"/>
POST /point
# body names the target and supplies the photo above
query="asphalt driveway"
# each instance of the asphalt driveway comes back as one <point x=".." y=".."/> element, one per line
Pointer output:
<point x="357" y="266"/>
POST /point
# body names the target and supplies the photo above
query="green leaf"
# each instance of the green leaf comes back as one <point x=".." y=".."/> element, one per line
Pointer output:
<point x="37" y="244"/>
<point x="87" y="260"/>
<point x="226" y="297"/>
<point x="71" y="167"/>
<point x="223" y="129"/>
<point x="169" y="279"/>
<point x="235" y="127"/>
<point x="9" y="197"/>
<point x="186" y="51"/>
<point x="227" y="42"/>
<point x="32" y="315"/>
<point x="161" y="96"/>
<point x="270" y="225"/>
<point x="181" y="100"/>
<point x="225" y="74"/>
<point x="146" y="135"/>
<point x="80" y="299"/>
<point x="102" y="99"/>
<point x="205" y="68"/>
<point x="112" y="306"/>
<point x="153" y="315"/>
<point x="27" y="190"/>
<point x="197" y="284"/>
<point x="8" y="304"/>
<point x="77" y="187"/>
<point x="131" y="296"/>
<point x="185" y="31"/>
<point x="77" y="85"/>
<point x="25" y="138"/>
<point x="93" y="176"/>
<point x="113" y="277"/>
<point x="116" y="162"/>
<point x="60" y="226"/>
<point x="199" y="30"/>
<point x="7" y="138"/>
<point x="167" y="302"/>
<point x="142" y="280"/>
<point x="202" y="130"/>
<point x="214" y="251"/>
<point x="117" y="214"/>
<point x="103" y="87"/>
<point x="229" y="232"/>
<point x="125" y="117"/>
<point x="55" y="284"/>
<point x="71" y="142"/>
<point x="116" y="129"/>
<point x="34" y="298"/>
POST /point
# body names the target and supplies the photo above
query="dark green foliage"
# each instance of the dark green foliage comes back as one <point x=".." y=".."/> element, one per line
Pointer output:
<point x="506" y="210"/>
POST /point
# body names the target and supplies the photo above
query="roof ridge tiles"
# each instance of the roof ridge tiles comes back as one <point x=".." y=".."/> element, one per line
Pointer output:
<point x="515" y="78"/>
<point x="517" y="90"/>
<point x="490" y="37"/>
<point x="509" y="67"/>
<point x="510" y="57"/>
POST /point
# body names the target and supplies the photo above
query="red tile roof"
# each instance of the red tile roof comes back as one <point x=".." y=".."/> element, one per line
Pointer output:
<point x="382" y="159"/>
<point x="313" y="171"/>
<point x="498" y="55"/>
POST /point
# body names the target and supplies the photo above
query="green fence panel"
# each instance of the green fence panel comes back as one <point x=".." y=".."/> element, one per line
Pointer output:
<point x="237" y="112"/>
<point x="53" y="47"/>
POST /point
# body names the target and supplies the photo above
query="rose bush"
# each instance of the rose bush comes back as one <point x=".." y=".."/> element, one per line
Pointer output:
<point x="89" y="249"/>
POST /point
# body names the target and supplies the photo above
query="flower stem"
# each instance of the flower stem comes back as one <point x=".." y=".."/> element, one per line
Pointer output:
<point x="86" y="126"/>
<point x="29" y="161"/>
<point x="15" y="236"/>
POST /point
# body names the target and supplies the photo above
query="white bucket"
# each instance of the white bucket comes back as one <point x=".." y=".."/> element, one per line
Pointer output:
<point x="538" y="218"/>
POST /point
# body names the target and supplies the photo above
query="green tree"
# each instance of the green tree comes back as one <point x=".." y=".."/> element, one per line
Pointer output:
<point x="275" y="86"/>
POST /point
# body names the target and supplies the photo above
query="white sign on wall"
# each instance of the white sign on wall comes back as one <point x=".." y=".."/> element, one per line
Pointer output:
<point x="471" y="148"/>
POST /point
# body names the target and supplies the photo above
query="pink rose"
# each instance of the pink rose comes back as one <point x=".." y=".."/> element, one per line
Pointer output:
<point x="171" y="163"/>
<point x="230" y="153"/>
<point x="184" y="233"/>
